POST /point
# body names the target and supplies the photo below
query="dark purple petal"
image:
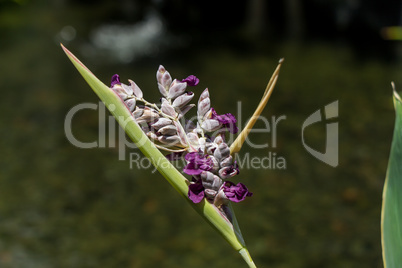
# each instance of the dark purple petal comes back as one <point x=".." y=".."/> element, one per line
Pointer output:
<point x="227" y="120"/>
<point x="115" y="80"/>
<point x="191" y="80"/>
<point x="191" y="156"/>
<point x="192" y="169"/>
<point x="197" y="163"/>
<point x="236" y="193"/>
<point x="196" y="192"/>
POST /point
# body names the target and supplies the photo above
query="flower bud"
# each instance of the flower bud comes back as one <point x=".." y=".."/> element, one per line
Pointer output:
<point x="227" y="161"/>
<point x="127" y="89"/>
<point x="162" y="90"/>
<point x="130" y="103"/>
<point x="136" y="90"/>
<point x="222" y="151"/>
<point x="181" y="133"/>
<point x="176" y="89"/>
<point x="120" y="92"/>
<point x="160" y="73"/>
<point x="168" y="130"/>
<point x="138" y="112"/>
<point x="166" y="80"/>
<point x="161" y="123"/>
<point x="149" y="115"/>
<point x="169" y="140"/>
<point x="204" y="95"/>
<point x="209" y="193"/>
<point x="183" y="99"/>
<point x="167" y="108"/>
<point x="203" y="107"/>
<point x="215" y="166"/>
<point x="210" y="181"/>
<point x="204" y="103"/>
<point x="219" y="139"/>
<point x="210" y="125"/>
<point x="193" y="139"/>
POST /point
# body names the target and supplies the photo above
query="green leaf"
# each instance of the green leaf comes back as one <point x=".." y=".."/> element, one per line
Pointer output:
<point x="209" y="212"/>
<point x="391" y="218"/>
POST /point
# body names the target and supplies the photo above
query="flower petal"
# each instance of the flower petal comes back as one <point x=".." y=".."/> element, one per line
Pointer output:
<point x="191" y="80"/>
<point x="196" y="192"/>
<point x="236" y="193"/>
<point x="115" y="80"/>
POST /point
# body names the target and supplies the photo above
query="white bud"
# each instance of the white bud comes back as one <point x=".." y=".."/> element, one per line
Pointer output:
<point x="167" y="108"/>
<point x="161" y="123"/>
<point x="166" y="80"/>
<point x="160" y="73"/>
<point x="170" y="140"/>
<point x="203" y="107"/>
<point x="130" y="103"/>
<point x="210" y="193"/>
<point x="120" y="92"/>
<point x="136" y="90"/>
<point x="162" y="90"/>
<point x="193" y="138"/>
<point x="210" y="125"/>
<point x="176" y="89"/>
<point x="183" y="99"/>
<point x="168" y="130"/>
<point x="138" y="112"/>
<point x="181" y="133"/>
<point x="222" y="151"/>
<point x="127" y="89"/>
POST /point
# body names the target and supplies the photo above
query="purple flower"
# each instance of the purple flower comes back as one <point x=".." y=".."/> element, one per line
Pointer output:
<point x="197" y="163"/>
<point x="227" y="120"/>
<point x="196" y="191"/>
<point x="235" y="193"/>
<point x="191" y="80"/>
<point x="115" y="80"/>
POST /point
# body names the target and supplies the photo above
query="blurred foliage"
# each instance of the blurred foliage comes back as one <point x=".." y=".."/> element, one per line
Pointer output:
<point x="62" y="206"/>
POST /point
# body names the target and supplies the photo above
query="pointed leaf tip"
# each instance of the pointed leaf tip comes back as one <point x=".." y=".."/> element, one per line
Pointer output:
<point x="73" y="58"/>
<point x="396" y="95"/>
<point x="238" y="143"/>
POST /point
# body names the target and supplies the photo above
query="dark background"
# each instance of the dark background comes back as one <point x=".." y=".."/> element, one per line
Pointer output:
<point x="63" y="206"/>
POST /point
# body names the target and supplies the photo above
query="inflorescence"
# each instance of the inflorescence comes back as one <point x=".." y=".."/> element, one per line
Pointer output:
<point x="209" y="160"/>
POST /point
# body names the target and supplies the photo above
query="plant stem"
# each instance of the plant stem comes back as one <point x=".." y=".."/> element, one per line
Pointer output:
<point x="247" y="258"/>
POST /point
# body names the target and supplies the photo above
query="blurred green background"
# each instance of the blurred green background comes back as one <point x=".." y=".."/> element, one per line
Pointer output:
<point x="63" y="206"/>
